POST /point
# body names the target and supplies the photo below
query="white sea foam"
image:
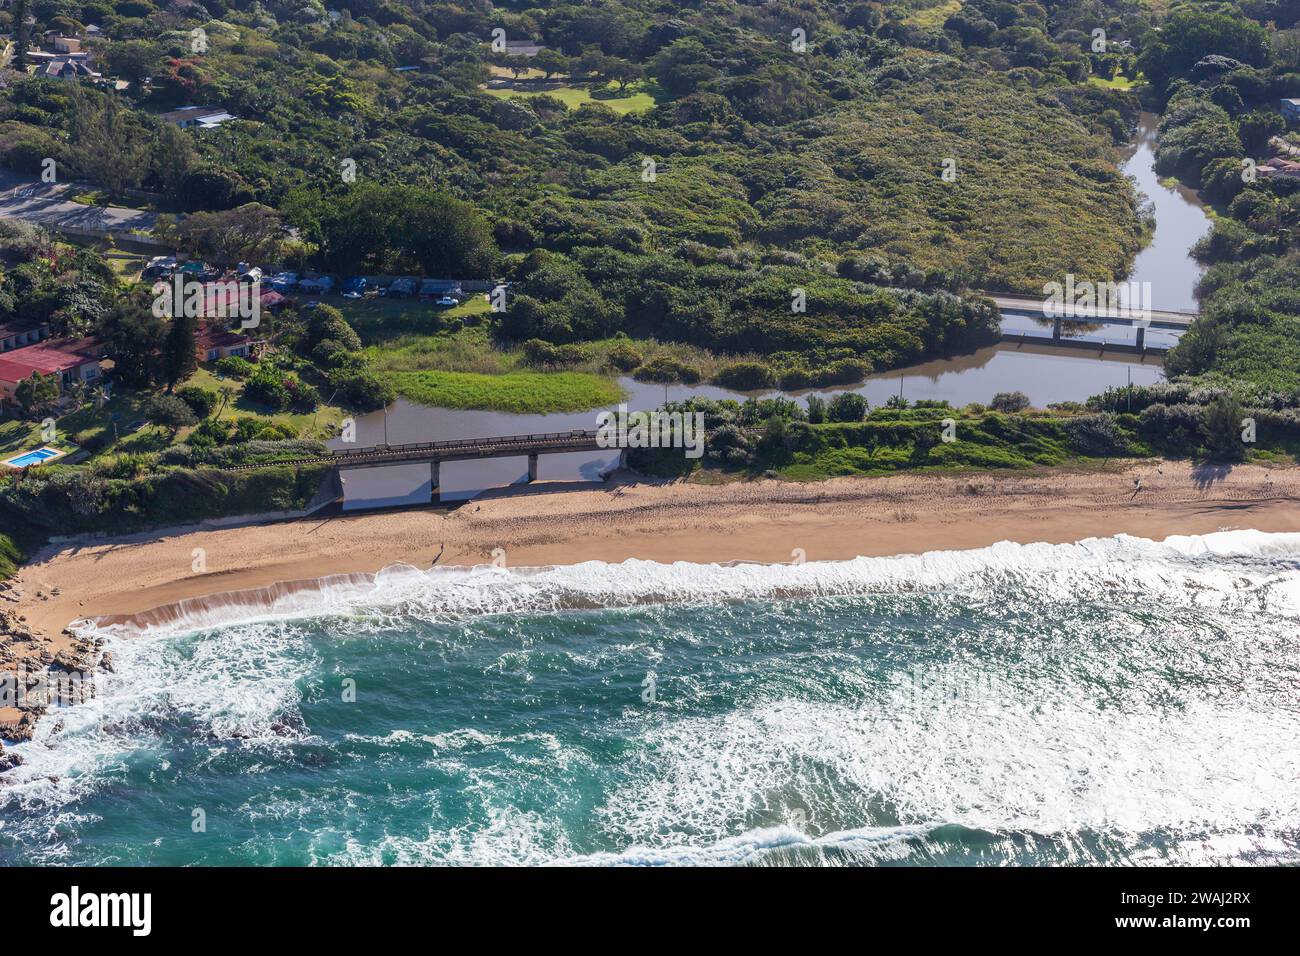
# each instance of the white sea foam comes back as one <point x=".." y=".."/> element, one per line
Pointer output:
<point x="1053" y="757"/>
<point x="1224" y="561"/>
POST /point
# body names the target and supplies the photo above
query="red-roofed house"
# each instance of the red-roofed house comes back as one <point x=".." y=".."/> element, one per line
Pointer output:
<point x="72" y="360"/>
<point x="216" y="344"/>
<point x="1286" y="168"/>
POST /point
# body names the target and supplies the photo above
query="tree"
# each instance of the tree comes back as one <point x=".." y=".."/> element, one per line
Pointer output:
<point x="108" y="147"/>
<point x="179" y="356"/>
<point x="623" y="72"/>
<point x="1222" y="423"/>
<point x="252" y="232"/>
<point x="172" y="158"/>
<point x="136" y="340"/>
<point x="168" y="411"/>
<point x="1010" y="402"/>
<point x="132" y="60"/>
<point x="847" y="407"/>
<point x="551" y="62"/>
<point x="21" y="41"/>
<point x="38" y="392"/>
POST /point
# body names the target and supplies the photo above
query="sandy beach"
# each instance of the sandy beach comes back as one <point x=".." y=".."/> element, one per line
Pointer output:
<point x="565" y="524"/>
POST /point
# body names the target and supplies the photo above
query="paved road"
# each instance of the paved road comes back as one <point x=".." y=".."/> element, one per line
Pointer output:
<point x="44" y="205"/>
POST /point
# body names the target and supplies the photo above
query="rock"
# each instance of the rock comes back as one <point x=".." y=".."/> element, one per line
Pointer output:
<point x="22" y="728"/>
<point x="8" y="760"/>
<point x="106" y="662"/>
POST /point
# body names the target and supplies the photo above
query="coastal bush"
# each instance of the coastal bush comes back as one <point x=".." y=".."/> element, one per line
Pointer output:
<point x="10" y="557"/>
<point x="623" y="357"/>
<point x="664" y="369"/>
<point x="816" y="409"/>
<point x="1096" y="435"/>
<point x="200" y="400"/>
<point x="168" y="411"/>
<point x="847" y="407"/>
<point x="235" y="367"/>
<point x="1009" y="402"/>
<point x="745" y="376"/>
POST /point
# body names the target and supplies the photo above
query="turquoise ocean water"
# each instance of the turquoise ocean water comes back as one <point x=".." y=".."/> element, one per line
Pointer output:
<point x="1112" y="701"/>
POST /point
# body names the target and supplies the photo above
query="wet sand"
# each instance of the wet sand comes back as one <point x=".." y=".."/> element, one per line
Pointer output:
<point x="566" y="524"/>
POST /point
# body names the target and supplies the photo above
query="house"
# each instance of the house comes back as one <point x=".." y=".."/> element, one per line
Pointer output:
<point x="1279" y="168"/>
<point x="197" y="117"/>
<point x="523" y="48"/>
<point x="66" y="44"/>
<point x="16" y="334"/>
<point x="67" y="68"/>
<point x="213" y="344"/>
<point x="71" y="360"/>
<point x="1290" y="110"/>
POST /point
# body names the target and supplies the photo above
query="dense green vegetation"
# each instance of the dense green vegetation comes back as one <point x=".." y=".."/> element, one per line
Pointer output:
<point x="678" y="192"/>
<point x="838" y="438"/>
<point x="926" y="149"/>
<point x="1219" y="72"/>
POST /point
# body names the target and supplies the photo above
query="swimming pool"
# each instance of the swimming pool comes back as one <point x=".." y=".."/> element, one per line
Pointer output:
<point x="34" y="457"/>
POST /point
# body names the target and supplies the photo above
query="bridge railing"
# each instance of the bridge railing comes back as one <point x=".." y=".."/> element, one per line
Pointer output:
<point x="430" y="446"/>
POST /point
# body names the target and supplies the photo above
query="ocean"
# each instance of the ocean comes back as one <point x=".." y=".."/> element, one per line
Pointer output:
<point x="1114" y="701"/>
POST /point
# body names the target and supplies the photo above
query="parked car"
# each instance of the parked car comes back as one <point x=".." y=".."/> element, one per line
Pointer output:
<point x="284" y="281"/>
<point x="355" y="287"/>
<point x="248" y="273"/>
<point x="446" y="302"/>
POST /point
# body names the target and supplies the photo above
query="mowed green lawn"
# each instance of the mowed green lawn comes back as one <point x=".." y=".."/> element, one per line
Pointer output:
<point x="637" y="98"/>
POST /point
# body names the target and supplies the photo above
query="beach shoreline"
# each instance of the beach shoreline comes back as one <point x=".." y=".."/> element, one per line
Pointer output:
<point x="122" y="579"/>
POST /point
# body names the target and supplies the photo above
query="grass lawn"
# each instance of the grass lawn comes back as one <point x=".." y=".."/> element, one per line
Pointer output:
<point x="522" y="392"/>
<point x="1118" y="83"/>
<point x="932" y="18"/>
<point x="380" y="319"/>
<point x="638" y="97"/>
<point x="322" y="423"/>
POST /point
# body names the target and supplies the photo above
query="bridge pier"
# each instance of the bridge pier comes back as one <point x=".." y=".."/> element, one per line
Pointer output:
<point x="435" y="479"/>
<point x="532" y="467"/>
<point x="1142" y="338"/>
<point x="1056" y="330"/>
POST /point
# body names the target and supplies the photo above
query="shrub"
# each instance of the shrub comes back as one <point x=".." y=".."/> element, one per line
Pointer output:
<point x="168" y="410"/>
<point x="623" y="357"/>
<point x="1009" y="402"/>
<point x="361" y="390"/>
<point x="235" y="367"/>
<point x="1096" y="435"/>
<point x="1221" y="428"/>
<point x="847" y="407"/>
<point x="793" y="379"/>
<point x="745" y="376"/>
<point x="200" y="400"/>
<point x="539" y="353"/>
<point x="816" y="409"/>
<point x="667" y="370"/>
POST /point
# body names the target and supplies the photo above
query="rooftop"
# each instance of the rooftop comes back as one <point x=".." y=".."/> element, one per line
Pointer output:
<point x="47" y="358"/>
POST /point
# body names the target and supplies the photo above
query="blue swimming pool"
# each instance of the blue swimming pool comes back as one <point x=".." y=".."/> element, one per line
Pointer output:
<point x="34" y="457"/>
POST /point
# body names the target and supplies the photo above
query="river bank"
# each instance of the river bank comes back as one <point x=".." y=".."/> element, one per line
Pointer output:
<point x="766" y="521"/>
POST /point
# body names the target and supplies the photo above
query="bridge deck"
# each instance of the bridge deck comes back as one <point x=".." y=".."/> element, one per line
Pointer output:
<point x="465" y="449"/>
<point x="1159" y="318"/>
